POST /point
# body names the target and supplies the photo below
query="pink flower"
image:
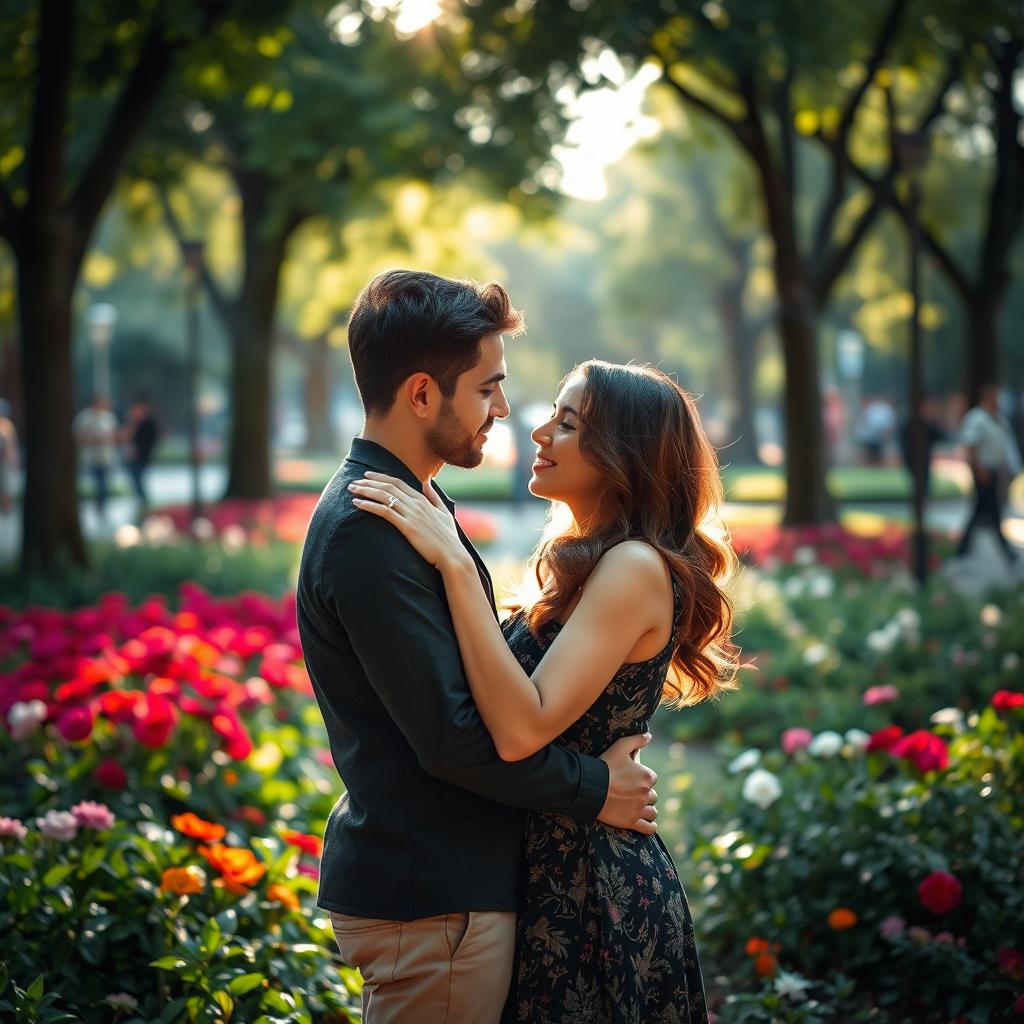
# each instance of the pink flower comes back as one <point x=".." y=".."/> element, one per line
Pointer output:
<point x="111" y="774"/>
<point x="58" y="825"/>
<point x="11" y="828"/>
<point x="892" y="927"/>
<point x="90" y="814"/>
<point x="76" y="723"/>
<point x="940" y="892"/>
<point x="880" y="694"/>
<point x="796" y="738"/>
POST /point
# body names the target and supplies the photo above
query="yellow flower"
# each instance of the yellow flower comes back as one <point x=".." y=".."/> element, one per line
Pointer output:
<point x="842" y="918"/>
<point x="282" y="894"/>
<point x="182" y="881"/>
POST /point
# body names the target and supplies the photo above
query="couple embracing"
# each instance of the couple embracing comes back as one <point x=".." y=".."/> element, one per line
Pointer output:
<point x="496" y="855"/>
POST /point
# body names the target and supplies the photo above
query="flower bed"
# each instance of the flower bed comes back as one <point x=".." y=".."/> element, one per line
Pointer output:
<point x="856" y="876"/>
<point x="162" y="812"/>
<point x="286" y="518"/>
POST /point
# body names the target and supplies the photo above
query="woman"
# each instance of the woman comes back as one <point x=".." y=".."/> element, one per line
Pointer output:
<point x="630" y="612"/>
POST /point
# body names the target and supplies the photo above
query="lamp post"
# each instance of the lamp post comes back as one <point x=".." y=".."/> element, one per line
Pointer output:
<point x="192" y="251"/>
<point x="850" y="367"/>
<point x="911" y="151"/>
<point x="101" y="318"/>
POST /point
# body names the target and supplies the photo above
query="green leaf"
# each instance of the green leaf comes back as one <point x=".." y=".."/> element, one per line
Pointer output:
<point x="35" y="990"/>
<point x="57" y="874"/>
<point x="91" y="860"/>
<point x="225" y="1002"/>
<point x="245" y="983"/>
<point x="169" y="963"/>
<point x="210" y="936"/>
<point x="172" y="1010"/>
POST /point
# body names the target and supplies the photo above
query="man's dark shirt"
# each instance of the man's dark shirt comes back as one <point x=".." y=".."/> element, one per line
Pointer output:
<point x="144" y="438"/>
<point x="431" y="822"/>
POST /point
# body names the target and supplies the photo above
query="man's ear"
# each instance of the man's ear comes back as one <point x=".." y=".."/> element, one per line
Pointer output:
<point x="421" y="393"/>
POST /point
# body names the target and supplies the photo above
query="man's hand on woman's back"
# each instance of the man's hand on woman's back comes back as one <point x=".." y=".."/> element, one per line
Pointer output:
<point x="631" y="795"/>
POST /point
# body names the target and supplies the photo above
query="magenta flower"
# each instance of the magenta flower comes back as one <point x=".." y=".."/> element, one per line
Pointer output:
<point x="90" y="814"/>
<point x="892" y="927"/>
<point x="796" y="738"/>
<point x="76" y="723"/>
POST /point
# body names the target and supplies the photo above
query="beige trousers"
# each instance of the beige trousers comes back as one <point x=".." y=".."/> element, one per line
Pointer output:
<point x="449" y="969"/>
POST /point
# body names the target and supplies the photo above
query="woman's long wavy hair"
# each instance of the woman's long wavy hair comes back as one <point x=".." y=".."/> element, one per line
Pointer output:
<point x="642" y="431"/>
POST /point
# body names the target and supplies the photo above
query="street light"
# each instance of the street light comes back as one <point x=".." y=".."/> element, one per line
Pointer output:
<point x="192" y="252"/>
<point x="850" y="367"/>
<point x="911" y="150"/>
<point x="101" y="319"/>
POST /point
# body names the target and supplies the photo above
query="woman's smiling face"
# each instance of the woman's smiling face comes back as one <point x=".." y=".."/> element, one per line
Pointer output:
<point x="561" y="472"/>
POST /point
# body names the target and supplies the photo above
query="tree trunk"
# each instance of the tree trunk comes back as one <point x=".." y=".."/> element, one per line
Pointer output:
<point x="740" y="346"/>
<point x="320" y="433"/>
<point x="808" y="502"/>
<point x="982" y="342"/>
<point x="252" y="343"/>
<point x="46" y="273"/>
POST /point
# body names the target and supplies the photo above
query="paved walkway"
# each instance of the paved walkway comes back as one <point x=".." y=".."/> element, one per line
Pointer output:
<point x="521" y="525"/>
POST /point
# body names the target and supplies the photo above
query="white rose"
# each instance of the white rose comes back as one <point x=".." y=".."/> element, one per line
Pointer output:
<point x="858" y="739"/>
<point x="909" y="619"/>
<point x="745" y="761"/>
<point x="792" y="985"/>
<point x="948" y="716"/>
<point x="24" y="718"/>
<point x="991" y="615"/>
<point x="816" y="654"/>
<point x="761" y="788"/>
<point x="879" y="641"/>
<point x="826" y="744"/>
<point x="822" y="585"/>
<point x="58" y="825"/>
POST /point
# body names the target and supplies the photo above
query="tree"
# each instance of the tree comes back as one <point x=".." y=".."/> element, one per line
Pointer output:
<point x="985" y="47"/>
<point x="766" y="81"/>
<point x="78" y="85"/>
<point x="307" y="122"/>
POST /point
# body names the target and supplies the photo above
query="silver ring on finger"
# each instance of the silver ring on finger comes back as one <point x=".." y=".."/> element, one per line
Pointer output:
<point x="392" y="502"/>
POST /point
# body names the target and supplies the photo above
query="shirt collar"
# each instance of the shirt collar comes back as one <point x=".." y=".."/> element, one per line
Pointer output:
<point x="380" y="459"/>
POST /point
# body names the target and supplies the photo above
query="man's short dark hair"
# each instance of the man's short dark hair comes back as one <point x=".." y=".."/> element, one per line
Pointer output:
<point x="409" y="321"/>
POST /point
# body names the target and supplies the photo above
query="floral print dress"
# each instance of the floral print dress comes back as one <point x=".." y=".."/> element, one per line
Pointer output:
<point x="604" y="933"/>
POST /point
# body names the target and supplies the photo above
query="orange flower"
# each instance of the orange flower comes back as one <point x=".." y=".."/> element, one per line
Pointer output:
<point x="230" y="776"/>
<point x="182" y="881"/>
<point x="238" y="868"/>
<point x="842" y="918"/>
<point x="194" y="826"/>
<point x="756" y="945"/>
<point x="765" y="965"/>
<point x="282" y="894"/>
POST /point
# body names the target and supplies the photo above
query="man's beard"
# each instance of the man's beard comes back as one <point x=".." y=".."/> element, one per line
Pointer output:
<point x="449" y="441"/>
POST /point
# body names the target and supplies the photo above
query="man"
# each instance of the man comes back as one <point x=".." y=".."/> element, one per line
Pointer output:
<point x="995" y="460"/>
<point x="95" y="430"/>
<point x="421" y="857"/>
<point x="140" y="434"/>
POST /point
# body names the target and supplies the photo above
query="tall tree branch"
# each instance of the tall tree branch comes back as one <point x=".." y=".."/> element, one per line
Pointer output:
<point x="225" y="307"/>
<point x="692" y="99"/>
<point x="838" y="145"/>
<point x="138" y="94"/>
<point x="54" y="51"/>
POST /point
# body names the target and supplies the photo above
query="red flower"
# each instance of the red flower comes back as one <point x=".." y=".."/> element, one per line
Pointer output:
<point x="1007" y="700"/>
<point x="1011" y="962"/>
<point x="119" y="705"/>
<point x="885" y="739"/>
<point x="927" y="751"/>
<point x="75" y="723"/>
<point x="307" y="843"/>
<point x="940" y="892"/>
<point x="111" y="774"/>
<point x="155" y="718"/>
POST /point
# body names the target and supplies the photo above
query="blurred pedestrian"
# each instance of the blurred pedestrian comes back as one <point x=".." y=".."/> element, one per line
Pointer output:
<point x="140" y="434"/>
<point x="95" y="432"/>
<point x="995" y="460"/>
<point x="934" y="433"/>
<point x="875" y="428"/>
<point x="8" y="456"/>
